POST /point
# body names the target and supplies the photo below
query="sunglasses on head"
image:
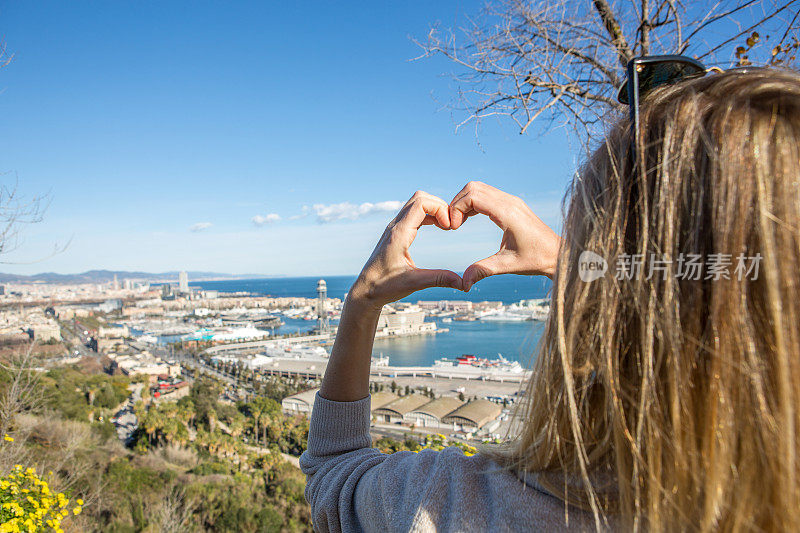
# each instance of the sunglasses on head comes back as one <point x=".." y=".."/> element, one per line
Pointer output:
<point x="646" y="73"/>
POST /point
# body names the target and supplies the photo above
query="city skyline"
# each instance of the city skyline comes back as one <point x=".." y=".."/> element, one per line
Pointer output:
<point x="169" y="137"/>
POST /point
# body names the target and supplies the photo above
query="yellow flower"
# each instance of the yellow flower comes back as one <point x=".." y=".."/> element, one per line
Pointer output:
<point x="79" y="501"/>
<point x="7" y="438"/>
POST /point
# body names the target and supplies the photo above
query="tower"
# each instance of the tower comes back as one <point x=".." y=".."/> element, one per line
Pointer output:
<point x="322" y="312"/>
<point x="183" y="282"/>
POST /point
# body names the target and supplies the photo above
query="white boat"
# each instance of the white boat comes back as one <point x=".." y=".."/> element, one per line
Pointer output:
<point x="296" y="351"/>
<point x="469" y="362"/>
<point x="504" y="316"/>
<point x="381" y="360"/>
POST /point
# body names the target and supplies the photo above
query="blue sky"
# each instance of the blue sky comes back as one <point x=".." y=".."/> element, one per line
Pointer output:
<point x="224" y="136"/>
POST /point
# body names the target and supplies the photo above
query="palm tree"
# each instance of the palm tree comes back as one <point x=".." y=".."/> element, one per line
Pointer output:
<point x="255" y="411"/>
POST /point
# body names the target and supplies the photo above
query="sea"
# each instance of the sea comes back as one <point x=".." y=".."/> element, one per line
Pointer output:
<point x="516" y="341"/>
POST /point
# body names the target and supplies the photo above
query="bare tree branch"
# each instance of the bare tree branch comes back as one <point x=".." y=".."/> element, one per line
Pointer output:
<point x="561" y="61"/>
<point x="614" y="29"/>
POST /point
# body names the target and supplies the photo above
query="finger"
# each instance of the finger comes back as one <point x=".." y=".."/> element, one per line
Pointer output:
<point x="479" y="198"/>
<point x="424" y="278"/>
<point x="422" y="205"/>
<point x="498" y="263"/>
<point x="457" y="217"/>
<point x="429" y="220"/>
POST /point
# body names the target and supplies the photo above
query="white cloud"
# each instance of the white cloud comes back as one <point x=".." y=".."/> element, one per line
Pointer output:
<point x="263" y="220"/>
<point x="200" y="226"/>
<point x="348" y="211"/>
<point x="306" y="210"/>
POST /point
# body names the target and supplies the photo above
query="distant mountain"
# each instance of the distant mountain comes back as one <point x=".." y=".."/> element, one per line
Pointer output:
<point x="105" y="276"/>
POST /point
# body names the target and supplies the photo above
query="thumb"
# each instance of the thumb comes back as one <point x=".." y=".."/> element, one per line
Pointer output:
<point x="423" y="278"/>
<point x="492" y="265"/>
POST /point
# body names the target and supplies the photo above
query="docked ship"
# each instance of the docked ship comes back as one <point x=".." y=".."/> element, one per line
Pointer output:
<point x="536" y="309"/>
<point x="503" y="316"/>
<point x="471" y="361"/>
<point x="296" y="351"/>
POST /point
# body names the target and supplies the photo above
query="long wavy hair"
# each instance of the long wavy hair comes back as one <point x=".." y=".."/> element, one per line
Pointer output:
<point x="664" y="402"/>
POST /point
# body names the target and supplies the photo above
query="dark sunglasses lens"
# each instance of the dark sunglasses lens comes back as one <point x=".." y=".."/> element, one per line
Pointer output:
<point x="655" y="75"/>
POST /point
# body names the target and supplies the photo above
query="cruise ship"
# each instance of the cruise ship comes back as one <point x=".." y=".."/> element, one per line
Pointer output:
<point x="471" y="361"/>
<point x="536" y="309"/>
<point x="296" y="351"/>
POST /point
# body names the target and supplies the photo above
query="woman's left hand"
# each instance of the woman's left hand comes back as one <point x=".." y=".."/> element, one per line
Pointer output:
<point x="390" y="274"/>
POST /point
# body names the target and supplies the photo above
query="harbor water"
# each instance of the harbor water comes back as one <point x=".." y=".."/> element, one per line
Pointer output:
<point x="516" y="341"/>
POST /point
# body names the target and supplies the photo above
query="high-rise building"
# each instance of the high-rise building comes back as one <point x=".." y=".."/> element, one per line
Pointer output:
<point x="166" y="292"/>
<point x="322" y="303"/>
<point x="183" y="282"/>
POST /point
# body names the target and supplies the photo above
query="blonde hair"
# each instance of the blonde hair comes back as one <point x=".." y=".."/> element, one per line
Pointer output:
<point x="670" y="403"/>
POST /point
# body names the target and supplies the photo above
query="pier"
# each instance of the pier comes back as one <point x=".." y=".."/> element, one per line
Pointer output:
<point x="308" y="368"/>
<point x="321" y="338"/>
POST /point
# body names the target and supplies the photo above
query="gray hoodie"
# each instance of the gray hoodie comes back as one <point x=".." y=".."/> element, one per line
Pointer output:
<point x="353" y="487"/>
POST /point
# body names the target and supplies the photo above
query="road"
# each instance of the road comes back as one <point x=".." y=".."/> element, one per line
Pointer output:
<point x="125" y="419"/>
<point x="187" y="360"/>
<point x="81" y="339"/>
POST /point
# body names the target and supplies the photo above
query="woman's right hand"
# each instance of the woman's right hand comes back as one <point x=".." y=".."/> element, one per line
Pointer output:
<point x="390" y="274"/>
<point x="528" y="246"/>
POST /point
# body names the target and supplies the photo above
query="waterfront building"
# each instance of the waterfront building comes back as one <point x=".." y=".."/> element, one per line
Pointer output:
<point x="395" y="411"/>
<point x="407" y="321"/>
<point x="473" y="416"/>
<point x="257" y="361"/>
<point x="379" y="399"/>
<point x="432" y="413"/>
<point x="459" y="306"/>
<point x="302" y="402"/>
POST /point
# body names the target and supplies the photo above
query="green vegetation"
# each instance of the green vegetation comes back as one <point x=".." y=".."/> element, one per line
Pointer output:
<point x="198" y="464"/>
<point x="435" y="441"/>
<point x="201" y="463"/>
<point x="221" y="428"/>
<point x="78" y="396"/>
<point x="93" y="321"/>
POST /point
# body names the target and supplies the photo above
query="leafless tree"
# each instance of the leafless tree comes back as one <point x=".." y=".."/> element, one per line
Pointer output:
<point x="16" y="212"/>
<point x="22" y="391"/>
<point x="562" y="61"/>
<point x="19" y="394"/>
<point x="174" y="513"/>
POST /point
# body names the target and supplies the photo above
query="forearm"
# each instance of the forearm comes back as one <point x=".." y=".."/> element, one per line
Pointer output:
<point x="347" y="375"/>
